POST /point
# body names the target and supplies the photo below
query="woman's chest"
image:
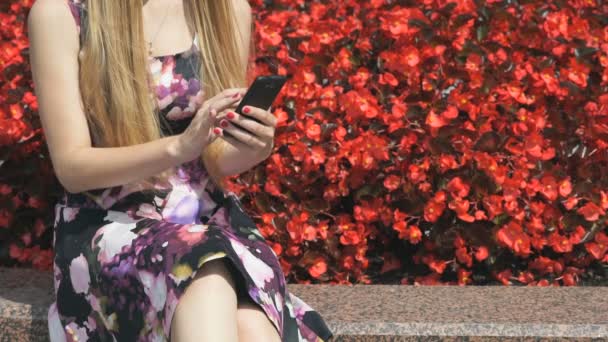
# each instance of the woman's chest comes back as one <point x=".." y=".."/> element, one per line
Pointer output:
<point x="175" y="85"/>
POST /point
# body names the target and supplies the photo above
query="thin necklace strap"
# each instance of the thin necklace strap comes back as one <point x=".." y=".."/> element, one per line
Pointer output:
<point x="150" y="50"/>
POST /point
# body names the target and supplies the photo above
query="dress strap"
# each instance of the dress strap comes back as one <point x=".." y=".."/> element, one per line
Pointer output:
<point x="78" y="9"/>
<point x="194" y="40"/>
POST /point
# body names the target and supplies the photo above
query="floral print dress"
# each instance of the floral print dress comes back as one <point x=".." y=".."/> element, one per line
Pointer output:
<point x="125" y="255"/>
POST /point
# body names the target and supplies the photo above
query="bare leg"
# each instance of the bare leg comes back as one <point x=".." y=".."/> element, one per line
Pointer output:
<point x="254" y="325"/>
<point x="207" y="309"/>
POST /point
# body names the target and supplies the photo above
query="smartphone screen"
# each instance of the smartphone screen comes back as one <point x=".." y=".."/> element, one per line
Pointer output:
<point x="262" y="92"/>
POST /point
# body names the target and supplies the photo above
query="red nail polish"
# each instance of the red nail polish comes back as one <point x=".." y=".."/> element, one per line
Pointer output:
<point x="230" y="115"/>
<point x="224" y="123"/>
<point x="246" y="110"/>
<point x="235" y="95"/>
<point x="217" y="131"/>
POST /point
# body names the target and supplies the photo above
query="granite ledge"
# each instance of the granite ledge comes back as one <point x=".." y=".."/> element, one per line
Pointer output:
<point x="491" y="312"/>
<point x="381" y="312"/>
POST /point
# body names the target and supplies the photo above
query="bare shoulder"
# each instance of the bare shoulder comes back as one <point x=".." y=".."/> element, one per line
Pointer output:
<point x="50" y="22"/>
<point x="45" y="12"/>
<point x="242" y="9"/>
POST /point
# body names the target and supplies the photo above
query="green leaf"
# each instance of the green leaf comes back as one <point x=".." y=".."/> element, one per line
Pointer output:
<point x="500" y="219"/>
<point x="262" y="202"/>
<point x="482" y="32"/>
<point x="584" y="51"/>
<point x="418" y="23"/>
<point x="372" y="190"/>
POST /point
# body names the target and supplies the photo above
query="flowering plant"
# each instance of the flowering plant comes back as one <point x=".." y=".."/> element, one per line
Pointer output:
<point x="436" y="142"/>
<point x="427" y="142"/>
<point x="27" y="184"/>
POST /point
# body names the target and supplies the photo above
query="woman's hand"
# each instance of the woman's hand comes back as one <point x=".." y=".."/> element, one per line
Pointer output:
<point x="258" y="136"/>
<point x="202" y="131"/>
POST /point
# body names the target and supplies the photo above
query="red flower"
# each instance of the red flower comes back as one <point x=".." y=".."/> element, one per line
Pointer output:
<point x="464" y="257"/>
<point x="565" y="188"/>
<point x="360" y="78"/>
<point x="435" y="121"/>
<point x="388" y="79"/>
<point x="412" y="58"/>
<point x="461" y="207"/>
<point x="504" y="277"/>
<point x="313" y="131"/>
<point x="369" y="211"/>
<point x="402" y="229"/>
<point x="603" y="199"/>
<point x="415" y="235"/>
<point x="556" y="24"/>
<point x="318" y="267"/>
<point x="433" y="209"/>
<point x="360" y="104"/>
<point x="591" y="211"/>
<point x="598" y="248"/>
<point x="317" y="155"/>
<point x="392" y="182"/>
<point x="435" y="265"/>
<point x="350" y="237"/>
<point x="577" y="235"/>
<point x="560" y="243"/>
<point x="458" y="188"/>
<point x="544" y="265"/>
<point x="481" y="253"/>
<point x="269" y="35"/>
<point x="464" y="276"/>
<point x="42" y="259"/>
<point x="512" y="236"/>
<point x="577" y="72"/>
<point x="549" y="187"/>
<point x="309" y="232"/>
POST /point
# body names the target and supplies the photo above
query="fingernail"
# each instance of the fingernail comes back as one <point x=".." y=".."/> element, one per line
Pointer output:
<point x="224" y="123"/>
<point x="231" y="115"/>
<point x="246" y="110"/>
<point x="236" y="95"/>
<point x="217" y="131"/>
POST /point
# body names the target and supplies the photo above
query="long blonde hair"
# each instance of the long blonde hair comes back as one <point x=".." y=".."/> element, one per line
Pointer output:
<point x="114" y="69"/>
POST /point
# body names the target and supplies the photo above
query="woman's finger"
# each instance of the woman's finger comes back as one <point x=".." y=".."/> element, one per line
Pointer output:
<point x="236" y="93"/>
<point x="209" y="124"/>
<point x="235" y="142"/>
<point x="222" y="104"/>
<point x="254" y="127"/>
<point x="224" y="113"/>
<point x="199" y="98"/>
<point x="229" y="93"/>
<point x="226" y="94"/>
<point x="260" y="114"/>
<point x="242" y="135"/>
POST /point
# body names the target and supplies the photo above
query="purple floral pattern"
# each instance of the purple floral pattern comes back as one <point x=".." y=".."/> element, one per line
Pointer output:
<point x="125" y="255"/>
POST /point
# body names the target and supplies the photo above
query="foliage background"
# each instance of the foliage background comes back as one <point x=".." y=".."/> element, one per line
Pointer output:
<point x="420" y="142"/>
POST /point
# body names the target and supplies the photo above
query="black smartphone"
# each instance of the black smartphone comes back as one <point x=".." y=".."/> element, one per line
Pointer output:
<point x="262" y="93"/>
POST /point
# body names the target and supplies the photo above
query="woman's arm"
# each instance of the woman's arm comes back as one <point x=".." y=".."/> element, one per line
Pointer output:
<point x="80" y="167"/>
<point x="224" y="158"/>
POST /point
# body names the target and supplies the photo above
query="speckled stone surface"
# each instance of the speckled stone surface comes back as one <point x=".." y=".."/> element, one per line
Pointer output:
<point x="467" y="313"/>
<point x="25" y="295"/>
<point x="381" y="312"/>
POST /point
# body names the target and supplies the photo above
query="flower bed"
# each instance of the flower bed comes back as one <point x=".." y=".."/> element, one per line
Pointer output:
<point x="427" y="142"/>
